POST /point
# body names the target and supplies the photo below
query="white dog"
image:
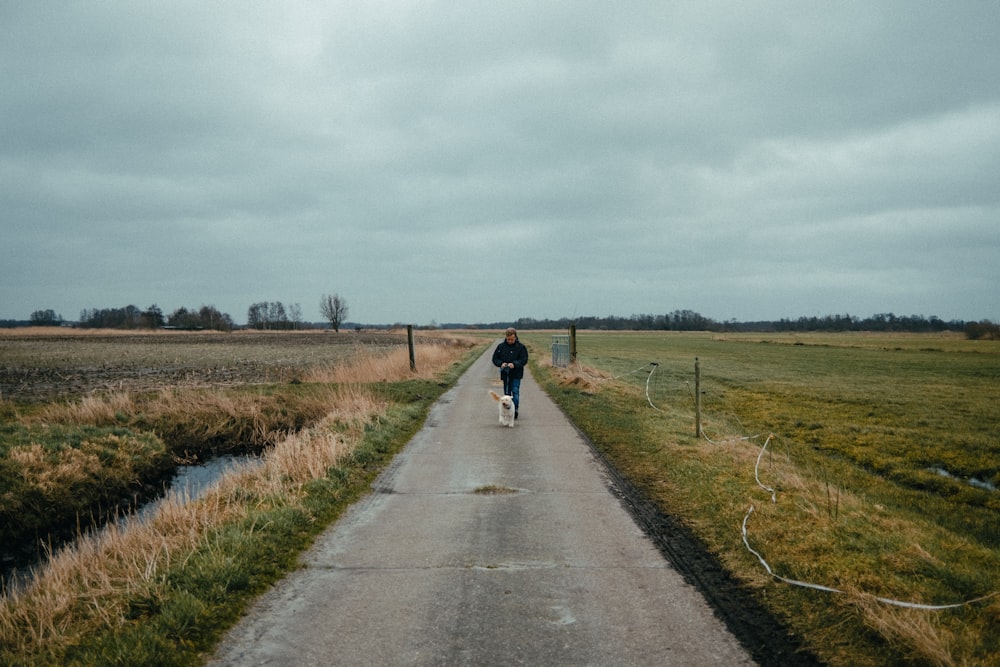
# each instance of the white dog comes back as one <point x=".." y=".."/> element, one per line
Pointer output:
<point x="506" y="408"/>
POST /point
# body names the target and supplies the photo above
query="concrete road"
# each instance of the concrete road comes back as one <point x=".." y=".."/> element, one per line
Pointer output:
<point x="485" y="545"/>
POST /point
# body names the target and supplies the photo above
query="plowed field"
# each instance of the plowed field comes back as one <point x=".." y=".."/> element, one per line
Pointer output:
<point x="51" y="366"/>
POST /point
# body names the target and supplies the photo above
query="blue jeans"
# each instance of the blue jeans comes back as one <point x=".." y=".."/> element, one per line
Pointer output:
<point x="512" y="388"/>
<point x="515" y="390"/>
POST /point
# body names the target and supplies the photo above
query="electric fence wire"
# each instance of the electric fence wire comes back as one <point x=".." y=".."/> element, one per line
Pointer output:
<point x="641" y="368"/>
<point x="648" y="378"/>
<point x="691" y="391"/>
<point x="820" y="587"/>
<point x="583" y="370"/>
<point x="756" y="472"/>
<point x="774" y="500"/>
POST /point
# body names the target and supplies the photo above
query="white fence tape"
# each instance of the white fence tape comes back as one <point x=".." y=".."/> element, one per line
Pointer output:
<point x="820" y="587"/>
<point x="756" y="473"/>
<point x="650" y="377"/>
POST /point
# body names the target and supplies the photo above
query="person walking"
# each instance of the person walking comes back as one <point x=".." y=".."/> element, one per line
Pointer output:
<point x="511" y="356"/>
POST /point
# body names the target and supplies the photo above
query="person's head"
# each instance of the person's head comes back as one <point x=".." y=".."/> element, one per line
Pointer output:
<point x="511" y="334"/>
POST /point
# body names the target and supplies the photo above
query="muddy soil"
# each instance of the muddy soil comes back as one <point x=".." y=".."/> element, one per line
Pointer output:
<point x="48" y="367"/>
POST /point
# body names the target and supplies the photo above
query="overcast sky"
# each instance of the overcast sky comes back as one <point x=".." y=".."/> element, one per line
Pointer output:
<point x="485" y="161"/>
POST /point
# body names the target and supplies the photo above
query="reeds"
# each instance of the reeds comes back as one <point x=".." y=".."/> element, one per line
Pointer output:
<point x="393" y="364"/>
<point x="97" y="409"/>
<point x="89" y="584"/>
<point x="196" y="419"/>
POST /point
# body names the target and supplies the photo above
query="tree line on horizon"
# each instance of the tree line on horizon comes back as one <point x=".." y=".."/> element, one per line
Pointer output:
<point x="263" y="315"/>
<point x="688" y="320"/>
<point x="274" y="315"/>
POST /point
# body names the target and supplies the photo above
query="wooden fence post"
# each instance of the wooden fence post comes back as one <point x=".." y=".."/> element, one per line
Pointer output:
<point x="572" y="343"/>
<point x="697" y="398"/>
<point x="409" y="341"/>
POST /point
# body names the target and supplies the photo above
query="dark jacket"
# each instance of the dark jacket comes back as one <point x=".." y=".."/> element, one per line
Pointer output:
<point x="507" y="353"/>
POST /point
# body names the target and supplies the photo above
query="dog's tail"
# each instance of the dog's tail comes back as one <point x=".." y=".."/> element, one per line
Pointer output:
<point x="496" y="396"/>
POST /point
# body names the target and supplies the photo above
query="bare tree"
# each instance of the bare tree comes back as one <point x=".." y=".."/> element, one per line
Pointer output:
<point x="45" y="318"/>
<point x="295" y="315"/>
<point x="276" y="315"/>
<point x="257" y="315"/>
<point x="334" y="309"/>
<point x="267" y="315"/>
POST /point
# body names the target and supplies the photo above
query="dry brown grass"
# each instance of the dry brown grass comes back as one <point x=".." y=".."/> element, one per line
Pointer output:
<point x="586" y="379"/>
<point x="49" y="475"/>
<point x="915" y="633"/>
<point x="96" y="409"/>
<point x="88" y="584"/>
<point x="254" y="418"/>
<point x="307" y="455"/>
<point x="431" y="357"/>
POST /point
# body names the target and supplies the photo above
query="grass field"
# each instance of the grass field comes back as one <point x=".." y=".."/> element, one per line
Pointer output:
<point x="883" y="455"/>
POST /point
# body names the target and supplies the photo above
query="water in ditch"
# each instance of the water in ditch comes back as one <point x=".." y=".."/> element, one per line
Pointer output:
<point x="971" y="481"/>
<point x="189" y="483"/>
<point x="194" y="481"/>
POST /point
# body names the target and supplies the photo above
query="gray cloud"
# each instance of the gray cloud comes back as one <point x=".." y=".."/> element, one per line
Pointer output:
<point x="484" y="162"/>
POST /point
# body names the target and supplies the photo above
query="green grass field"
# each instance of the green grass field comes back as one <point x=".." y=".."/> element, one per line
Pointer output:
<point x="884" y="456"/>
